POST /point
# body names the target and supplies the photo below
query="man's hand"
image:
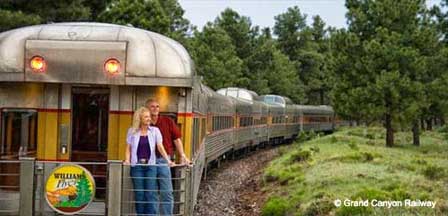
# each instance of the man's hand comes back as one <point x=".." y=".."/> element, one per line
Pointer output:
<point x="185" y="160"/>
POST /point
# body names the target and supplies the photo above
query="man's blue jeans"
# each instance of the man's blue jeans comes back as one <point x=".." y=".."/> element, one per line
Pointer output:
<point x="165" y="187"/>
<point x="145" y="189"/>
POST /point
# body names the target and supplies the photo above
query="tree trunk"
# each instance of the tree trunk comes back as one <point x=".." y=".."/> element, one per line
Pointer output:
<point x="416" y="133"/>
<point x="442" y="121"/>
<point x="321" y="91"/>
<point x="389" y="131"/>
<point x="422" y="123"/>
<point x="429" y="124"/>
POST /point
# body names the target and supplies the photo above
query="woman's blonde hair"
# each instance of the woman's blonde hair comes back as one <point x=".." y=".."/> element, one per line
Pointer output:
<point x="136" y="120"/>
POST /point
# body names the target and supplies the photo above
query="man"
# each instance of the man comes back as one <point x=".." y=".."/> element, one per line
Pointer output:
<point x="170" y="135"/>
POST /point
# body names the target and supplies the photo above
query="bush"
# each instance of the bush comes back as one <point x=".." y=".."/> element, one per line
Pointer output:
<point x="269" y="177"/>
<point x="283" y="175"/>
<point x="353" y="146"/>
<point x="321" y="206"/>
<point x="420" y="161"/>
<point x="442" y="207"/>
<point x="367" y="156"/>
<point x="371" y="193"/>
<point x="311" y="134"/>
<point x="301" y="155"/>
<point x="365" y="194"/>
<point x="434" y="172"/>
<point x="370" y="142"/>
<point x="353" y="210"/>
<point x="275" y="206"/>
<point x="370" y="136"/>
<point x="400" y="194"/>
<point x="333" y="139"/>
<point x="443" y="129"/>
<point x="315" y="149"/>
<point x="303" y="136"/>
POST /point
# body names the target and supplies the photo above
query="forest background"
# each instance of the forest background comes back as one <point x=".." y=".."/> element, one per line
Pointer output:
<point x="388" y="66"/>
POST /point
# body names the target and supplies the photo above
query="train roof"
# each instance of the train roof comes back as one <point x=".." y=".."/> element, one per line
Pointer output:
<point x="150" y="58"/>
<point x="239" y="93"/>
<point x="317" y="109"/>
<point x="275" y="100"/>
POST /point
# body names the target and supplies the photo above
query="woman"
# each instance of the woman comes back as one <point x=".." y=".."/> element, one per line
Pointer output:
<point x="142" y="140"/>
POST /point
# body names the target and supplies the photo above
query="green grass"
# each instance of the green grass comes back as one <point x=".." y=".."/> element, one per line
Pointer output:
<point x="355" y="164"/>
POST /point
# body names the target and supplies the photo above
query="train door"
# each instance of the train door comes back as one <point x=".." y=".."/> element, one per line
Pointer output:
<point x="90" y="119"/>
<point x="90" y="108"/>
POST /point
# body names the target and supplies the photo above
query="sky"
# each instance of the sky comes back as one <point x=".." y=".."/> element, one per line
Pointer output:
<point x="262" y="12"/>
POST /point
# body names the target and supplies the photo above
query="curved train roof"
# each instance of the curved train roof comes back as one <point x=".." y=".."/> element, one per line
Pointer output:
<point x="275" y="100"/>
<point x="239" y="93"/>
<point x="316" y="109"/>
<point x="147" y="55"/>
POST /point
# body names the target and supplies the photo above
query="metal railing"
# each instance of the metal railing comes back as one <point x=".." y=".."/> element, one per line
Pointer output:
<point x="9" y="187"/>
<point x="153" y="194"/>
<point x="22" y="188"/>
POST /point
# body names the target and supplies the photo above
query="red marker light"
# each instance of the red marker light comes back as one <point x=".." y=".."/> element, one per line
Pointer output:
<point x="38" y="64"/>
<point x="112" y="66"/>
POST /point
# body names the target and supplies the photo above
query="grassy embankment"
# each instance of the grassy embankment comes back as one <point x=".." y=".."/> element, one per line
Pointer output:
<point x="354" y="164"/>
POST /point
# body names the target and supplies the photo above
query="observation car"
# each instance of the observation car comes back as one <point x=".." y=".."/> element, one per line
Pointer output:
<point x="67" y="95"/>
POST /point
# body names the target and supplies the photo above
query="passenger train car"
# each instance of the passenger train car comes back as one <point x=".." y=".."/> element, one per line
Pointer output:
<point x="68" y="92"/>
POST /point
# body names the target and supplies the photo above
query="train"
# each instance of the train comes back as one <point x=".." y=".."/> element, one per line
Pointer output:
<point x="67" y="96"/>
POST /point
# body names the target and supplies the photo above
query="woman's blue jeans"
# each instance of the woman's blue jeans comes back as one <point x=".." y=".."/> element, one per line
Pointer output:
<point x="145" y="189"/>
<point x="165" y="187"/>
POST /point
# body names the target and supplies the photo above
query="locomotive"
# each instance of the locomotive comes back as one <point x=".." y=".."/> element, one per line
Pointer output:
<point x="68" y="92"/>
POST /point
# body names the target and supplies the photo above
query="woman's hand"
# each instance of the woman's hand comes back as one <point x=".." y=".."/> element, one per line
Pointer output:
<point x="171" y="163"/>
<point x="126" y="162"/>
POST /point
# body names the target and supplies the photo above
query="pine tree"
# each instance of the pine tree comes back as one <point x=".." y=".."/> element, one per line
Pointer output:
<point x="84" y="191"/>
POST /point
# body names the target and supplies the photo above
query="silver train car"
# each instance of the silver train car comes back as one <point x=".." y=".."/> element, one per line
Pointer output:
<point x="67" y="95"/>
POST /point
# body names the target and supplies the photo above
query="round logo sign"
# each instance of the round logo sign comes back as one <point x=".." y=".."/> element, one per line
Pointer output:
<point x="70" y="189"/>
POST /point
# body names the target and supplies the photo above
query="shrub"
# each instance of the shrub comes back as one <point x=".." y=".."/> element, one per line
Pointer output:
<point x="303" y="136"/>
<point x="434" y="172"/>
<point x="275" y="206"/>
<point x="315" y="149"/>
<point x="370" y="142"/>
<point x="333" y="139"/>
<point x="301" y="155"/>
<point x="443" y="129"/>
<point x="442" y="207"/>
<point x="321" y="206"/>
<point x="367" y="156"/>
<point x="370" y="136"/>
<point x="420" y="161"/>
<point x="400" y="194"/>
<point x="311" y="134"/>
<point x="354" y="210"/>
<point x="371" y="193"/>
<point x="353" y="146"/>
<point x="269" y="177"/>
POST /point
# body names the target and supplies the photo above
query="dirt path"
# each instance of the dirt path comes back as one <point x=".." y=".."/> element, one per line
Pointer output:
<point x="235" y="187"/>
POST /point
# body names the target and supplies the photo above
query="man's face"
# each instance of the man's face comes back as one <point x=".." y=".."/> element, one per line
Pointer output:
<point x="154" y="108"/>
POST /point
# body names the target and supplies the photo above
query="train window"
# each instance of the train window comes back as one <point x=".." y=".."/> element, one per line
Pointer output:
<point x="246" y="121"/>
<point x="245" y="95"/>
<point x="19" y="133"/>
<point x="279" y="100"/>
<point x="232" y="93"/>
<point x="203" y="128"/>
<point x="222" y="91"/>
<point x="195" y="134"/>
<point x="269" y="99"/>
<point x="263" y="120"/>
<point x="216" y="123"/>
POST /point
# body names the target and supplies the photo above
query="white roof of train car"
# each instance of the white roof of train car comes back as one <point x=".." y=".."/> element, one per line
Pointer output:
<point x="150" y="57"/>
